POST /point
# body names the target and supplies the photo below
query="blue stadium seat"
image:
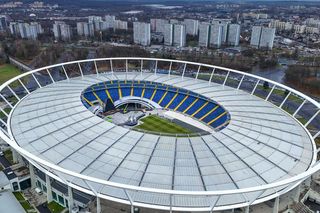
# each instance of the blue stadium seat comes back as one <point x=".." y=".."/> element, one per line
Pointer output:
<point x="199" y="103"/>
<point x="205" y="110"/>
<point x="167" y="98"/>
<point x="158" y="95"/>
<point x="137" y="91"/>
<point x="213" y="115"/>
<point x="148" y="93"/>
<point x="164" y="94"/>
<point x="219" y="121"/>
<point x="126" y="90"/>
<point x="186" y="103"/>
<point x="89" y="96"/>
<point x="102" y="95"/>
<point x="114" y="93"/>
<point x="176" y="101"/>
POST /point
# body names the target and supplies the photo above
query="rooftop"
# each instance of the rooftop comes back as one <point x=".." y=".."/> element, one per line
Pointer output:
<point x="262" y="144"/>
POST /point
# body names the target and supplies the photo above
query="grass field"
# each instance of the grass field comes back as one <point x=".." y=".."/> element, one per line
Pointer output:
<point x="8" y="71"/>
<point x="25" y="204"/>
<point x="161" y="125"/>
<point x="8" y="156"/>
<point x="54" y="207"/>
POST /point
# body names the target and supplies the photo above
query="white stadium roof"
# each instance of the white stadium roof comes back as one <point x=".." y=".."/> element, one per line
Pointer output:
<point x="261" y="145"/>
<point x="266" y="150"/>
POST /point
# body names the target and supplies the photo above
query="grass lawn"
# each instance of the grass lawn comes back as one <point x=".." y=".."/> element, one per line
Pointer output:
<point x="8" y="156"/>
<point x="280" y="92"/>
<point x="1" y="168"/>
<point x="161" y="125"/>
<point x="7" y="110"/>
<point x="54" y="207"/>
<point x="25" y="204"/>
<point x="8" y="71"/>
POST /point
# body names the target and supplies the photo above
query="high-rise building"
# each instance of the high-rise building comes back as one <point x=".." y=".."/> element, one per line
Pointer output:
<point x="110" y="19"/>
<point x="267" y="37"/>
<point x="94" y="18"/>
<point x="80" y="28"/>
<point x="224" y="23"/>
<point x="26" y="30"/>
<point x="179" y="35"/>
<point x="192" y="26"/>
<point x="84" y="29"/>
<point x="233" y="34"/>
<point x="61" y="31"/>
<point x="158" y="25"/>
<point x="217" y="35"/>
<point x="141" y="33"/>
<point x="262" y="37"/>
<point x="3" y="23"/>
<point x="204" y="34"/>
<point x="13" y="26"/>
<point x="120" y="25"/>
<point x="174" y="21"/>
<point x="255" y="36"/>
<point x="168" y="34"/>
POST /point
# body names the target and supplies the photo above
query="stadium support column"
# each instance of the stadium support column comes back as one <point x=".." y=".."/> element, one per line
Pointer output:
<point x="70" y="198"/>
<point x="297" y="194"/>
<point x="308" y="181"/>
<point x="49" y="189"/>
<point x="247" y="209"/>
<point x="14" y="155"/>
<point x="276" y="205"/>
<point x="98" y="205"/>
<point x="32" y="176"/>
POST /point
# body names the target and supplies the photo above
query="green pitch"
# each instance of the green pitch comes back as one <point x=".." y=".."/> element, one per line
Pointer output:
<point x="8" y="71"/>
<point x="161" y="125"/>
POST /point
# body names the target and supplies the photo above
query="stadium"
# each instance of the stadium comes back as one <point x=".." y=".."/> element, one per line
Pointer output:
<point x="160" y="135"/>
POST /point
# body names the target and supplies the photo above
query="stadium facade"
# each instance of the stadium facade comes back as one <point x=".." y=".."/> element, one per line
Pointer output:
<point x="258" y="143"/>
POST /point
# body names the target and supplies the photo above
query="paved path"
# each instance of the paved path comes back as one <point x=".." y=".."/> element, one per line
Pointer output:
<point x="11" y="203"/>
<point x="5" y="163"/>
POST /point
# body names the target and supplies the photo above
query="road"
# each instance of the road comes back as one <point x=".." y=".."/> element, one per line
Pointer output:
<point x="4" y="162"/>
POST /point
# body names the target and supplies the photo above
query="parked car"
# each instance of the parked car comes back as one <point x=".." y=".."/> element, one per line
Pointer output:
<point x="38" y="190"/>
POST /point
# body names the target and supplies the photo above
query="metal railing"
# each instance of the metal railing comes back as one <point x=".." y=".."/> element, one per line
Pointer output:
<point x="285" y="98"/>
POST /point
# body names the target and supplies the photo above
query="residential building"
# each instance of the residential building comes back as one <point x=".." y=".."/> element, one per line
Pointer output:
<point x="179" y="35"/>
<point x="26" y="30"/>
<point x="141" y="33"/>
<point x="218" y="34"/>
<point x="192" y="26"/>
<point x="61" y="31"/>
<point x="174" y="21"/>
<point x="94" y="18"/>
<point x="3" y="23"/>
<point x="85" y="29"/>
<point x="120" y="25"/>
<point x="233" y="34"/>
<point x="158" y="25"/>
<point x="262" y="37"/>
<point x="204" y="34"/>
<point x="168" y="34"/>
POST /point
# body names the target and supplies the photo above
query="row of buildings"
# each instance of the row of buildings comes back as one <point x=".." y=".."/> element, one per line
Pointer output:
<point x="211" y="34"/>
<point x="218" y="33"/>
<point x="62" y="31"/>
<point x="215" y="33"/>
<point x="26" y="30"/>
<point x="311" y="26"/>
<point x="97" y="23"/>
<point x="262" y="37"/>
